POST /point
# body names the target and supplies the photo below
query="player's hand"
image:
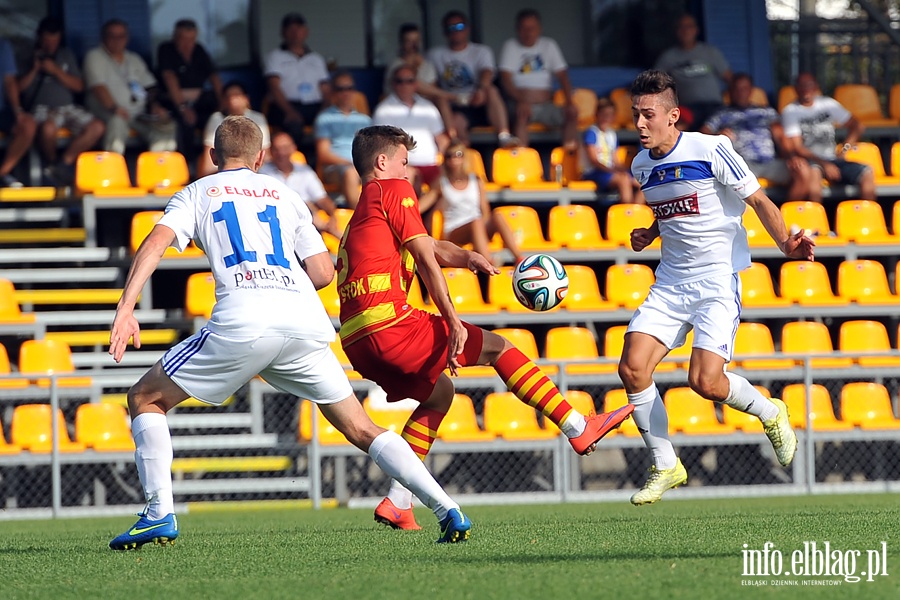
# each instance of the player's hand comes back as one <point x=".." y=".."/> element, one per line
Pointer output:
<point x="641" y="238"/>
<point x="456" y="342"/>
<point x="477" y="262"/>
<point x="832" y="172"/>
<point x="125" y="326"/>
<point x="798" y="245"/>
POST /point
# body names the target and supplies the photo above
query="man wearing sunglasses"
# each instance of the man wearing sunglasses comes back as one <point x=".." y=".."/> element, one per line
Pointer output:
<point x="465" y="74"/>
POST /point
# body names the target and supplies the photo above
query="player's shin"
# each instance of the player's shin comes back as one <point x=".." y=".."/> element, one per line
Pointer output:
<point x="419" y="432"/>
<point x="153" y="457"/>
<point x="652" y="421"/>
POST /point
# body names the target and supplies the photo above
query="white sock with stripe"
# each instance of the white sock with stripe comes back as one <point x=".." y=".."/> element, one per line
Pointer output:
<point x="744" y="397"/>
<point x="652" y="421"/>
<point x="153" y="457"/>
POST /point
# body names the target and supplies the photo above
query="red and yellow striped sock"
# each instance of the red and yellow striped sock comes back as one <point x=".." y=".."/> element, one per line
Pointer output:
<point x="531" y="386"/>
<point x="421" y="429"/>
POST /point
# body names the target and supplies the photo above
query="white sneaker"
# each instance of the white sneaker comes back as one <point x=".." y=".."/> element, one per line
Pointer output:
<point x="783" y="439"/>
<point x="659" y="482"/>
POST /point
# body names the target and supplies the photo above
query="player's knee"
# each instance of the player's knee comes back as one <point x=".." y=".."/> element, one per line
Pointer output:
<point x="708" y="385"/>
<point x="633" y="375"/>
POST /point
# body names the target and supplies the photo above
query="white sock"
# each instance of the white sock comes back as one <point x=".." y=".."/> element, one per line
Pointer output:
<point x="652" y="421"/>
<point x="746" y="398"/>
<point x="573" y="425"/>
<point x="397" y="459"/>
<point x="153" y="456"/>
<point x="399" y="495"/>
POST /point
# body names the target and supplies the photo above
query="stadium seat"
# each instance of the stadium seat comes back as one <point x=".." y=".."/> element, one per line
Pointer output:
<point x="757" y="236"/>
<point x="736" y="420"/>
<point x="894" y="107"/>
<point x="103" y="427"/>
<point x="390" y="418"/>
<point x="575" y="227"/>
<point x="162" y="173"/>
<point x="475" y="164"/>
<point x="338" y="348"/>
<point x="104" y="174"/>
<point x="862" y="337"/>
<point x="330" y="298"/>
<point x="865" y="282"/>
<point x="584" y="291"/>
<point x="517" y="166"/>
<point x="32" y="429"/>
<point x="867" y="405"/>
<point x="807" y="283"/>
<point x="755" y="339"/>
<point x="895" y="162"/>
<point x="757" y="290"/>
<point x="328" y="434"/>
<point x="522" y="339"/>
<point x="628" y="285"/>
<point x="565" y="168"/>
<point x="863" y="103"/>
<point x="510" y="418"/>
<point x="5" y="447"/>
<point x="526" y="227"/>
<point x="585" y="100"/>
<point x="465" y="291"/>
<point x="621" y="99"/>
<point x="868" y="153"/>
<point x="461" y="423"/>
<point x="200" y="296"/>
<point x="862" y="221"/>
<point x="298" y="157"/>
<point x="142" y="223"/>
<point x="690" y="413"/>
<point x="821" y="414"/>
<point x="615" y="399"/>
<point x="417" y="298"/>
<point x="49" y="357"/>
<point x="501" y="295"/>
<point x="811" y="216"/>
<point x="575" y="343"/>
<point x="6" y="370"/>
<point x="809" y="337"/>
<point x="622" y="219"/>
<point x="786" y="95"/>
<point x="10" y="312"/>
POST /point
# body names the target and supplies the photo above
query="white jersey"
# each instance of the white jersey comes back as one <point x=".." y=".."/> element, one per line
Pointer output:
<point x="697" y="194"/>
<point x="253" y="228"/>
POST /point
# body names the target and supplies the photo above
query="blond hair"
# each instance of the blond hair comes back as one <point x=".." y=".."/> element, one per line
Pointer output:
<point x="237" y="138"/>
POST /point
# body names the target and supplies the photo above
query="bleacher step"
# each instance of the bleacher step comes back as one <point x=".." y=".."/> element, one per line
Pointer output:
<point x="232" y="464"/>
<point x="67" y="275"/>
<point x="149" y="337"/>
<point x="210" y="421"/>
<point x="245" y="485"/>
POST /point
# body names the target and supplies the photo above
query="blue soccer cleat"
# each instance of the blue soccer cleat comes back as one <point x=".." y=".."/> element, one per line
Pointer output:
<point x="455" y="527"/>
<point x="164" y="531"/>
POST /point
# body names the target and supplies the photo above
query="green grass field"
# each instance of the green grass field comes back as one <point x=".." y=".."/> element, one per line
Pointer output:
<point x="676" y="549"/>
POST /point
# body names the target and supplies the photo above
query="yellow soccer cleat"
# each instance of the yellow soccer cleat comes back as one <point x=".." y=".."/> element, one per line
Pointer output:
<point x="779" y="431"/>
<point x="659" y="482"/>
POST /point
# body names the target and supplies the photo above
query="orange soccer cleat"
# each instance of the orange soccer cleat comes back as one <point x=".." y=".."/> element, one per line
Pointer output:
<point x="598" y="426"/>
<point x="398" y="518"/>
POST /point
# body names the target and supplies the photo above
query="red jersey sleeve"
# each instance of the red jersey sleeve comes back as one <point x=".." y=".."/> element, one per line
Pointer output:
<point x="401" y="209"/>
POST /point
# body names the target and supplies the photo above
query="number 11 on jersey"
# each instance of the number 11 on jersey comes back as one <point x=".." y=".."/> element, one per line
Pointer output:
<point x="228" y="215"/>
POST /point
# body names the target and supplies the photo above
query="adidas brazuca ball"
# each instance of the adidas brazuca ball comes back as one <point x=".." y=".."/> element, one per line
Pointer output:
<point x="540" y="282"/>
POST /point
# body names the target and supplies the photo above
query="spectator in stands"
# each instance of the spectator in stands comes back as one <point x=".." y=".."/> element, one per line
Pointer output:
<point x="49" y="81"/>
<point x="335" y="127"/>
<point x="409" y="111"/>
<point x="757" y="135"/>
<point x="298" y="79"/>
<point x="123" y="93"/>
<point x="601" y="165"/>
<point x="698" y="68"/>
<point x="468" y="218"/>
<point x="465" y="74"/>
<point x="302" y="179"/>
<point x="809" y="130"/>
<point x="192" y="84"/>
<point x="528" y="64"/>
<point x="236" y="102"/>
<point x="15" y="121"/>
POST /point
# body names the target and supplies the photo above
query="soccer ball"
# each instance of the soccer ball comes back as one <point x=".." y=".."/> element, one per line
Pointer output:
<point x="540" y="282"/>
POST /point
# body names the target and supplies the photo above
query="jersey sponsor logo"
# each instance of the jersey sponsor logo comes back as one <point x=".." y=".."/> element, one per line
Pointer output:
<point x="255" y="275"/>
<point x="407" y="202"/>
<point x="677" y="207"/>
<point x="233" y="191"/>
<point x="213" y="192"/>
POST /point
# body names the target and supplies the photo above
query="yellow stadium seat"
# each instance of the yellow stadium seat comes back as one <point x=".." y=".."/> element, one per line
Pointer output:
<point x="510" y="418"/>
<point x="575" y="343"/>
<point x="32" y="429"/>
<point x="585" y="100"/>
<point x="865" y="282"/>
<point x="517" y="165"/>
<point x="810" y="216"/>
<point x="328" y="433"/>
<point x="859" y="337"/>
<point x="895" y="162"/>
<point x="142" y="223"/>
<point x="330" y="299"/>
<point x="809" y="337"/>
<point x="621" y="99"/>
<point x="341" y="355"/>
<point x="584" y="291"/>
<point x="807" y="283"/>
<point x="522" y="339"/>
<point x="5" y="447"/>
<point x="474" y="163"/>
<point x="867" y="405"/>
<point x="741" y="421"/>
<point x="863" y="103"/>
<point x="786" y="95"/>
<point x="757" y="236"/>
<point x="162" y="172"/>
<point x="103" y="427"/>
<point x="10" y="312"/>
<point x="461" y="423"/>
<point x="465" y="291"/>
<point x="755" y="339"/>
<point x="821" y="409"/>
<point x="500" y="292"/>
<point x="628" y="285"/>
<point x="417" y="299"/>
<point x="690" y="413"/>
<point x="615" y="399"/>
<point x="6" y="369"/>
<point x="895" y="220"/>
<point x="298" y="157"/>
<point x="575" y="227"/>
<point x="104" y="174"/>
<point x="622" y="219"/>
<point x="526" y="227"/>
<point x="342" y="215"/>
<point x="757" y="290"/>
<point x="49" y="357"/>
<point x="200" y="296"/>
<point x="390" y="418"/>
<point x="565" y="168"/>
<point x="894" y="106"/>
<point x="862" y="221"/>
<point x="868" y="153"/>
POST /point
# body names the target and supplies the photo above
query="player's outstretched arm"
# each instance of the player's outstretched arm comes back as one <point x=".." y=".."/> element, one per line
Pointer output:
<point x="146" y="259"/>
<point x="319" y="268"/>
<point x="792" y="246"/>
<point x="449" y="254"/>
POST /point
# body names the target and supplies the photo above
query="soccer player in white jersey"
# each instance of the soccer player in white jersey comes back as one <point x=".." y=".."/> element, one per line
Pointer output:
<point x="267" y="260"/>
<point x="697" y="186"/>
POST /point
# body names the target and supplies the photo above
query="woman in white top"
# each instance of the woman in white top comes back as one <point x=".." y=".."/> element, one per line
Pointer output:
<point x="468" y="218"/>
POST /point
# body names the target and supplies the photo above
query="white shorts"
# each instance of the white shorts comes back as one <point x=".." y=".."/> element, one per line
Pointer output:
<point x="211" y="367"/>
<point x="711" y="307"/>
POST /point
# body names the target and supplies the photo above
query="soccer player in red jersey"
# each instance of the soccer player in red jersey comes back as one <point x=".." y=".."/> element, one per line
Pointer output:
<point x="405" y="350"/>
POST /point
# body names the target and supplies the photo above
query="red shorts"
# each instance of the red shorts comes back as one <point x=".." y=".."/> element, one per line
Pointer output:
<point x="407" y="358"/>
